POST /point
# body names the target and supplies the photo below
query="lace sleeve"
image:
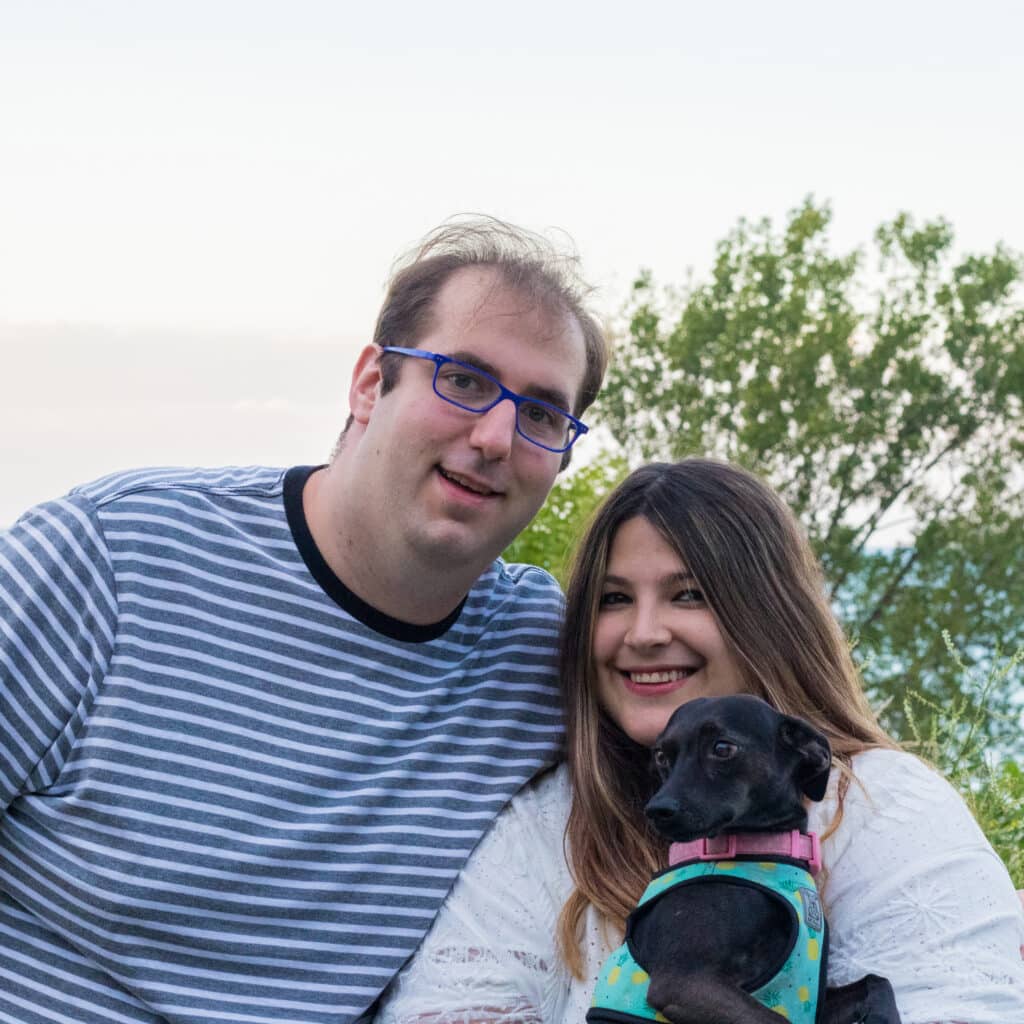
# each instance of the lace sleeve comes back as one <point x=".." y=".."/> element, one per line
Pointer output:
<point x="915" y="893"/>
<point x="490" y="956"/>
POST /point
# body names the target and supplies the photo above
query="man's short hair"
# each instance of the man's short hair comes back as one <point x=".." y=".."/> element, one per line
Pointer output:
<point x="523" y="261"/>
<point x="526" y="263"/>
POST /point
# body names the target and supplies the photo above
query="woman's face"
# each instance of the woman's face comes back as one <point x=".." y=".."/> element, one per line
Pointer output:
<point x="656" y="643"/>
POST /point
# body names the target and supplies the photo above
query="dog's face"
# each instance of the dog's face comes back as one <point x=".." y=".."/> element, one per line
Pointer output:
<point x="735" y="764"/>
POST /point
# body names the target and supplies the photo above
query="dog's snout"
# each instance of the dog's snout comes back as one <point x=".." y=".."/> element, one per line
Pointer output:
<point x="661" y="808"/>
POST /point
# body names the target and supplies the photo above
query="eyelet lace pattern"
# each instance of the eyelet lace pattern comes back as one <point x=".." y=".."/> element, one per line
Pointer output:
<point x="912" y="889"/>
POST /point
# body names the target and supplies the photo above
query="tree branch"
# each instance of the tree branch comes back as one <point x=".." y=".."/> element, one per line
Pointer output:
<point x="894" y="585"/>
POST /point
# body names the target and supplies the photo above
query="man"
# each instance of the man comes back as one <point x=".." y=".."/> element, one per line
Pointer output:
<point x="252" y="722"/>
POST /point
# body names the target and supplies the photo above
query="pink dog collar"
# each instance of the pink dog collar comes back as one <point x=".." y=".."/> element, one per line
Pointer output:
<point x="796" y="845"/>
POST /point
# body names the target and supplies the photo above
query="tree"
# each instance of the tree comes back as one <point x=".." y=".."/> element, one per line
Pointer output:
<point x="552" y="537"/>
<point x="883" y="400"/>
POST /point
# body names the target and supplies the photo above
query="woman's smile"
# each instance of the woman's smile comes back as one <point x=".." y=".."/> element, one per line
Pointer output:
<point x="656" y="681"/>
<point x="656" y="642"/>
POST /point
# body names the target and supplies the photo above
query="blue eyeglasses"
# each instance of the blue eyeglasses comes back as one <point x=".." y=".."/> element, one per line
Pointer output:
<point x="472" y="389"/>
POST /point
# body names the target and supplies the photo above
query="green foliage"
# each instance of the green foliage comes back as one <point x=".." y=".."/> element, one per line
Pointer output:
<point x="873" y="394"/>
<point x="953" y="739"/>
<point x="551" y="538"/>
<point x="998" y="804"/>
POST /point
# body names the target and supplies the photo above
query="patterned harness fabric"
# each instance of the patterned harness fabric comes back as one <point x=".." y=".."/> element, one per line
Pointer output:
<point x="792" y="992"/>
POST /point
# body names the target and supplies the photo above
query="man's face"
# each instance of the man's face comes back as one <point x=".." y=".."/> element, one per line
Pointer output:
<point x="459" y="486"/>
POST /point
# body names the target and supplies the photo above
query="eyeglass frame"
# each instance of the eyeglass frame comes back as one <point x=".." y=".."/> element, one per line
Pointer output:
<point x="578" y="427"/>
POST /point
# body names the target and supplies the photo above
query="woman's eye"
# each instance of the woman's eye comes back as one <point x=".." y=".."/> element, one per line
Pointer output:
<point x="691" y="595"/>
<point x="724" y="750"/>
<point x="612" y="597"/>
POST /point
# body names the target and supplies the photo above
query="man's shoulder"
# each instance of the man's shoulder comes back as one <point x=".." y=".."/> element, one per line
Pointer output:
<point x="520" y="581"/>
<point x="526" y="574"/>
<point x="256" y="481"/>
<point x="511" y="601"/>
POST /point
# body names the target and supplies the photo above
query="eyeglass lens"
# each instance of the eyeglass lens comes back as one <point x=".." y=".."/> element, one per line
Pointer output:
<point x="475" y="391"/>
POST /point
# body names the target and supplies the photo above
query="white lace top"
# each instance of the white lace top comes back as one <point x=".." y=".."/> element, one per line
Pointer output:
<point x="913" y="891"/>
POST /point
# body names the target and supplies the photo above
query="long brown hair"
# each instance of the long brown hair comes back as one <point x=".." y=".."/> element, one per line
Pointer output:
<point x="761" y="580"/>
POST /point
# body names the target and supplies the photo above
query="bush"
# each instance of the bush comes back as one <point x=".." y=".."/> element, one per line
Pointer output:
<point x="953" y="739"/>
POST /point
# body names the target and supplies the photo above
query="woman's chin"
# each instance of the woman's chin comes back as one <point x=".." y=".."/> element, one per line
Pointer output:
<point x="645" y="733"/>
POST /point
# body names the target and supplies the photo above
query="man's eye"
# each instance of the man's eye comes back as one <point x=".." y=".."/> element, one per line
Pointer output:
<point x="538" y="414"/>
<point x="459" y="381"/>
<point x="723" y="750"/>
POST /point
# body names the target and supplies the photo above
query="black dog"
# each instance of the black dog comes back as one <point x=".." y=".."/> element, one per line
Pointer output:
<point x="736" y="771"/>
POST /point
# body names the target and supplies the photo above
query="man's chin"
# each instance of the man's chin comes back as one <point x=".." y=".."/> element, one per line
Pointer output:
<point x="451" y="545"/>
<point x="454" y="543"/>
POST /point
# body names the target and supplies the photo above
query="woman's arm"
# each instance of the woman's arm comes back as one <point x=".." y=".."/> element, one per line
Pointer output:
<point x="915" y="893"/>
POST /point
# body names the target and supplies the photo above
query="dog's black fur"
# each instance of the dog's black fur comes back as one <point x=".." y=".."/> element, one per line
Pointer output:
<point x="734" y="764"/>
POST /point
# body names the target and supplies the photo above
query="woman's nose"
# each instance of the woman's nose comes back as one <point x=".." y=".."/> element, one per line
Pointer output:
<point x="647" y="628"/>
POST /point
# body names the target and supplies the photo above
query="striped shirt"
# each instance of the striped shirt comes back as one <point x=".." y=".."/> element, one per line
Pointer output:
<point x="231" y="791"/>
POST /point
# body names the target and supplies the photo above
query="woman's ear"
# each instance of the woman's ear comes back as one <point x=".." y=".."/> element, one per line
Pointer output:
<point x="364" y="390"/>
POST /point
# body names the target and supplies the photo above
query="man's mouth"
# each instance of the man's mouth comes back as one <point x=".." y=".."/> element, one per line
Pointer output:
<point x="470" y="484"/>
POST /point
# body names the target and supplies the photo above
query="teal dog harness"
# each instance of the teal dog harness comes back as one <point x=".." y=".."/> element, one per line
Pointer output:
<point x="793" y="988"/>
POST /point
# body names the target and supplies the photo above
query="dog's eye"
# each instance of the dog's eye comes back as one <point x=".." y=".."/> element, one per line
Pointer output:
<point x="661" y="759"/>
<point x="723" y="750"/>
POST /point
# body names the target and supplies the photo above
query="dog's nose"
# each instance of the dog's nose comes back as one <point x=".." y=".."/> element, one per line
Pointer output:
<point x="661" y="808"/>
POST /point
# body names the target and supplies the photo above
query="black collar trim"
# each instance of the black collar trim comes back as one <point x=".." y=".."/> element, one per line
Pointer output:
<point x="294" y="481"/>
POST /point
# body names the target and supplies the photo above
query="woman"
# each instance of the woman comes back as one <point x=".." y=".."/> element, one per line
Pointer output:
<point x="695" y="580"/>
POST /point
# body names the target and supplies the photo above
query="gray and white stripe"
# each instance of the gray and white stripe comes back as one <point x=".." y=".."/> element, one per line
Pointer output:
<point x="225" y="797"/>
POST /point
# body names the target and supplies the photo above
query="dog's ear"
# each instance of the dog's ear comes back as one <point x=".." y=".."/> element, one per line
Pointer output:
<point x="815" y="755"/>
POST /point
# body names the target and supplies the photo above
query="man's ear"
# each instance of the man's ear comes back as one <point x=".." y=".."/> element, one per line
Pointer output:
<point x="815" y="755"/>
<point x="364" y="390"/>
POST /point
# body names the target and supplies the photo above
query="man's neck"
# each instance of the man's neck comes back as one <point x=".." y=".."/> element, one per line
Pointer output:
<point x="393" y="581"/>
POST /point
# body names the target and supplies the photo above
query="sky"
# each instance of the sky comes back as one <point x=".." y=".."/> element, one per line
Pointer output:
<point x="200" y="202"/>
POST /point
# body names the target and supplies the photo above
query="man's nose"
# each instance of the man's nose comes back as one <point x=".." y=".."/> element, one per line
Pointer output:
<point x="494" y="431"/>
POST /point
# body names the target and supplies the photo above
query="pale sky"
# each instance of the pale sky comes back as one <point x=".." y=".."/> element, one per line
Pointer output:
<point x="200" y="201"/>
